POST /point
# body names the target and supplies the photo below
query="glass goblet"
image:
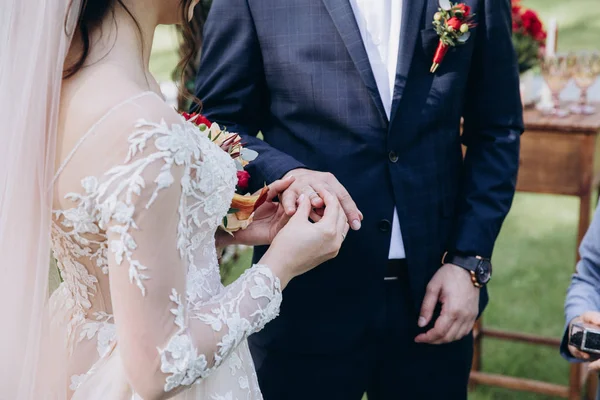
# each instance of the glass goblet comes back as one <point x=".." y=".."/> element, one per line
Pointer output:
<point x="595" y="57"/>
<point x="584" y="74"/>
<point x="556" y="71"/>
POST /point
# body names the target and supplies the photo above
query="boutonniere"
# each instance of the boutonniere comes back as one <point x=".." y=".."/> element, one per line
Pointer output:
<point x="452" y="23"/>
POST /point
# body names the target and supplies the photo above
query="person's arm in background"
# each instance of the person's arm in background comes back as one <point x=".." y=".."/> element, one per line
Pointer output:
<point x="583" y="295"/>
<point x="493" y="123"/>
<point x="231" y="86"/>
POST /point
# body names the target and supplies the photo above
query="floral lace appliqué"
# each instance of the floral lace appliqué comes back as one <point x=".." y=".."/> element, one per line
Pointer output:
<point x="108" y="204"/>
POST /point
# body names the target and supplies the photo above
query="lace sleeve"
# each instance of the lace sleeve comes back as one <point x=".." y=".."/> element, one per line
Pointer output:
<point x="244" y="308"/>
<point x="160" y="208"/>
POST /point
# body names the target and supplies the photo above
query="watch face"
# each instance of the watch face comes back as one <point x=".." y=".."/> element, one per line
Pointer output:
<point x="484" y="272"/>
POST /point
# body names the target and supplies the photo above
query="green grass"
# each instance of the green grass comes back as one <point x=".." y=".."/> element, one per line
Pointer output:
<point x="535" y="253"/>
<point x="534" y="258"/>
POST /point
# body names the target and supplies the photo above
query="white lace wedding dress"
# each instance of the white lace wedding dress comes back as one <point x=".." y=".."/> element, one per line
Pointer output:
<point x="141" y="304"/>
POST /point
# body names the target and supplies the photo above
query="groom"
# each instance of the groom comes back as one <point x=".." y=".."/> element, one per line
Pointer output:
<point x="343" y="95"/>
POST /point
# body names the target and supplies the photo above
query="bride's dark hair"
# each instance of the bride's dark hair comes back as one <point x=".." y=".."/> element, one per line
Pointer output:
<point x="93" y="13"/>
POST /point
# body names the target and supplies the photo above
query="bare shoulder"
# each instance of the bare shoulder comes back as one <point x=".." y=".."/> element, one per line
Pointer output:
<point x="94" y="92"/>
<point x="107" y="102"/>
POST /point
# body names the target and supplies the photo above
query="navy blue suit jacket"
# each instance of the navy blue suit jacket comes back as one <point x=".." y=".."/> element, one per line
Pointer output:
<point x="297" y="71"/>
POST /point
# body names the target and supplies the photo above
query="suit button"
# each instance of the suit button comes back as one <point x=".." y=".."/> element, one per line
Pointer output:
<point x="385" y="225"/>
<point x="393" y="156"/>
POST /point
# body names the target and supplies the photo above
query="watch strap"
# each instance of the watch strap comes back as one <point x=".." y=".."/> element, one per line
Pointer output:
<point x="470" y="263"/>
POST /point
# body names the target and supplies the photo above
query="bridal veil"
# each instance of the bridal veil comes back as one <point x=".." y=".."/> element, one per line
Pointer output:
<point x="34" y="40"/>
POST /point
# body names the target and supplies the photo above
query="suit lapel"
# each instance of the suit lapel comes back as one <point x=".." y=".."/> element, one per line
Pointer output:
<point x="412" y="13"/>
<point x="343" y="18"/>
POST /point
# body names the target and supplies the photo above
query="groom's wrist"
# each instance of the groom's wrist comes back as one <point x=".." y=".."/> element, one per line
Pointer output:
<point x="480" y="268"/>
<point x="278" y="167"/>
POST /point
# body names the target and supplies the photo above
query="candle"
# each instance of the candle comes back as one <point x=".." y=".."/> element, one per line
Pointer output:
<point x="551" y="42"/>
<point x="552" y="39"/>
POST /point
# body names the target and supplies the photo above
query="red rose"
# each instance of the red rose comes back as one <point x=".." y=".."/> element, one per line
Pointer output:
<point x="528" y="17"/>
<point x="532" y="23"/>
<point x="515" y="27"/>
<point x="196" y="119"/>
<point x="243" y="180"/>
<point x="541" y="37"/>
<point x="202" y="120"/>
<point x="464" y="9"/>
<point x="516" y="17"/>
<point x="455" y="23"/>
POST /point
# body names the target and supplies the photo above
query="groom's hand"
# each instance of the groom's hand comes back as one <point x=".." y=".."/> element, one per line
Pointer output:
<point x="452" y="287"/>
<point x="311" y="183"/>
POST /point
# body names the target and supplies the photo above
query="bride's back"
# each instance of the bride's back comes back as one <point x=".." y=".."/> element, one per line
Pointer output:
<point x="99" y="108"/>
<point x="87" y="97"/>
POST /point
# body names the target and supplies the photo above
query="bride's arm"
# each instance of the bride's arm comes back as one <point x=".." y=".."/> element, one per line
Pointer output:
<point x="173" y="326"/>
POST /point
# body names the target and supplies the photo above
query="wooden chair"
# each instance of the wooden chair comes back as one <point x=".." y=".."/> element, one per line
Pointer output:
<point x="578" y="376"/>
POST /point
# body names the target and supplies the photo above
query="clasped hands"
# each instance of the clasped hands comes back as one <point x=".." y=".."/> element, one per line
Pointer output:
<point x="273" y="215"/>
<point x="451" y="285"/>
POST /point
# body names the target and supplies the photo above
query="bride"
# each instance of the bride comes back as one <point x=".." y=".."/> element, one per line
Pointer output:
<point x="130" y="196"/>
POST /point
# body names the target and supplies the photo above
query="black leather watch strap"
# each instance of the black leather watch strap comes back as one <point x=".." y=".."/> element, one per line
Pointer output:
<point x="479" y="267"/>
<point x="469" y="263"/>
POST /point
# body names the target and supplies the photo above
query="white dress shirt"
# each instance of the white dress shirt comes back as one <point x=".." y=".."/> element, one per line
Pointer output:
<point x="379" y="23"/>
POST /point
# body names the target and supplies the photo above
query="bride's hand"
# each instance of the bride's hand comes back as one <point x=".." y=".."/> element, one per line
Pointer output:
<point x="268" y="220"/>
<point x="302" y="245"/>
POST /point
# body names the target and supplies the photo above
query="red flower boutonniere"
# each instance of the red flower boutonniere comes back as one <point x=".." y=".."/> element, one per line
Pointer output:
<point x="452" y="23"/>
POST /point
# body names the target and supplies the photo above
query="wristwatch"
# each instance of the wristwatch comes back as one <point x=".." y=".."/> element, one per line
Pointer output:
<point x="479" y="267"/>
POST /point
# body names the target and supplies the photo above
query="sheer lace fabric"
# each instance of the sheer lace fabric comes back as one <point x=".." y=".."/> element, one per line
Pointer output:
<point x="136" y="207"/>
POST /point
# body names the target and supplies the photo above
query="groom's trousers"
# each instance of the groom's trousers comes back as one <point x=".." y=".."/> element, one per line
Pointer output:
<point x="387" y="364"/>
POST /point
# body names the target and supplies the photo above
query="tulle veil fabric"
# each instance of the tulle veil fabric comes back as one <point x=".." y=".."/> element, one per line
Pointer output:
<point x="34" y="40"/>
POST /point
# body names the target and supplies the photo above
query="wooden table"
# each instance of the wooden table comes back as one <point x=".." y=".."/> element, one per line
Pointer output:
<point x="558" y="156"/>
